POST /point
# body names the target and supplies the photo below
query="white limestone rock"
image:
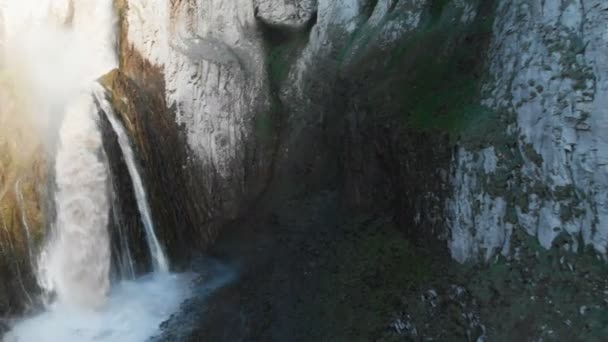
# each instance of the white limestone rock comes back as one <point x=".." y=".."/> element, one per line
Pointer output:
<point x="549" y="67"/>
<point x="286" y="13"/>
<point x="476" y="219"/>
<point x="213" y="67"/>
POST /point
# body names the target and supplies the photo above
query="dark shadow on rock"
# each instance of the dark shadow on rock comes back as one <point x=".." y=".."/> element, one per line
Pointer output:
<point x="128" y="238"/>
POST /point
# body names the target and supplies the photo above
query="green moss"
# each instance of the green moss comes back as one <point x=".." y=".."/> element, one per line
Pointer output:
<point x="565" y="192"/>
<point x="365" y="277"/>
<point x="568" y="48"/>
<point x="497" y="183"/>
<point x="434" y="80"/>
<point x="437" y="7"/>
<point x="264" y="126"/>
<point x="279" y="62"/>
<point x="566" y="212"/>
<point x="370" y="6"/>
<point x="282" y="49"/>
<point x="532" y="155"/>
<point x="522" y="201"/>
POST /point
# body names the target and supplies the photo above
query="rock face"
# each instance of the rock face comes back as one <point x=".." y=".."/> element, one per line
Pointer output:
<point x="212" y="68"/>
<point x="505" y="97"/>
<point x="225" y="100"/>
<point x="190" y="83"/>
<point x="292" y="14"/>
<point x="469" y="121"/>
<point x="513" y="84"/>
<point x="547" y="174"/>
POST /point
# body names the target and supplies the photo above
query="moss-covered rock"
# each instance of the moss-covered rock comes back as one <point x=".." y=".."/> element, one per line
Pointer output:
<point x="362" y="281"/>
<point x="23" y="211"/>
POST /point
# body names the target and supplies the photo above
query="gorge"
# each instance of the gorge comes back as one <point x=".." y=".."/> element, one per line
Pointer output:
<point x="303" y="170"/>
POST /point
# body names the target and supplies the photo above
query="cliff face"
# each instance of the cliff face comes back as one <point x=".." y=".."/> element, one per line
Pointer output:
<point x="469" y="120"/>
<point x="544" y="173"/>
<point x="477" y="125"/>
<point x="190" y="83"/>
<point x="240" y="98"/>
<point x="212" y="67"/>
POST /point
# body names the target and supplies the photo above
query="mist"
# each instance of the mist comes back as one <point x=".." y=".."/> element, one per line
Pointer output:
<point x="49" y="55"/>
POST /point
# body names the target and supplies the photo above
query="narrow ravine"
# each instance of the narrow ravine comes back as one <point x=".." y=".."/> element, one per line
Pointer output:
<point x="303" y="170"/>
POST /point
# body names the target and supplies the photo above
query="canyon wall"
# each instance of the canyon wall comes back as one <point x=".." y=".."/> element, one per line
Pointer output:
<point x="543" y="169"/>
<point x="469" y="120"/>
<point x="191" y="88"/>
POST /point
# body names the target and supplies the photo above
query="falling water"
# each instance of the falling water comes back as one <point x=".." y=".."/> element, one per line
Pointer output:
<point x="24" y="224"/>
<point x="158" y="257"/>
<point x="78" y="262"/>
<point x="53" y="51"/>
<point x="129" y="311"/>
<point x="126" y="265"/>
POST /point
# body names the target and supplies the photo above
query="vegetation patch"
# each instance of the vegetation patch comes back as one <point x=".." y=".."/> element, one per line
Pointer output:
<point x="282" y="50"/>
<point x="264" y="127"/>
<point x="363" y="280"/>
<point x="433" y="82"/>
<point x="437" y="8"/>
<point x="533" y="295"/>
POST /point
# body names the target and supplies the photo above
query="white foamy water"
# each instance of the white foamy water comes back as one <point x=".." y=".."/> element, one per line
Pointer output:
<point x="76" y="262"/>
<point x="133" y="313"/>
<point x="51" y="54"/>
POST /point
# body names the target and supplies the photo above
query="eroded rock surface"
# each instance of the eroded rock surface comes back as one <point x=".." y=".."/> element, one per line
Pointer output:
<point x="292" y="14"/>
<point x="466" y="123"/>
<point x="190" y="84"/>
<point x="548" y="73"/>
<point x="536" y="164"/>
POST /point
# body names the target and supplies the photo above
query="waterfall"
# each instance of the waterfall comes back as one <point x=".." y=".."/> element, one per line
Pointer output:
<point x="24" y="224"/>
<point x="127" y="266"/>
<point x="51" y="54"/>
<point x="78" y="263"/>
<point x="159" y="259"/>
